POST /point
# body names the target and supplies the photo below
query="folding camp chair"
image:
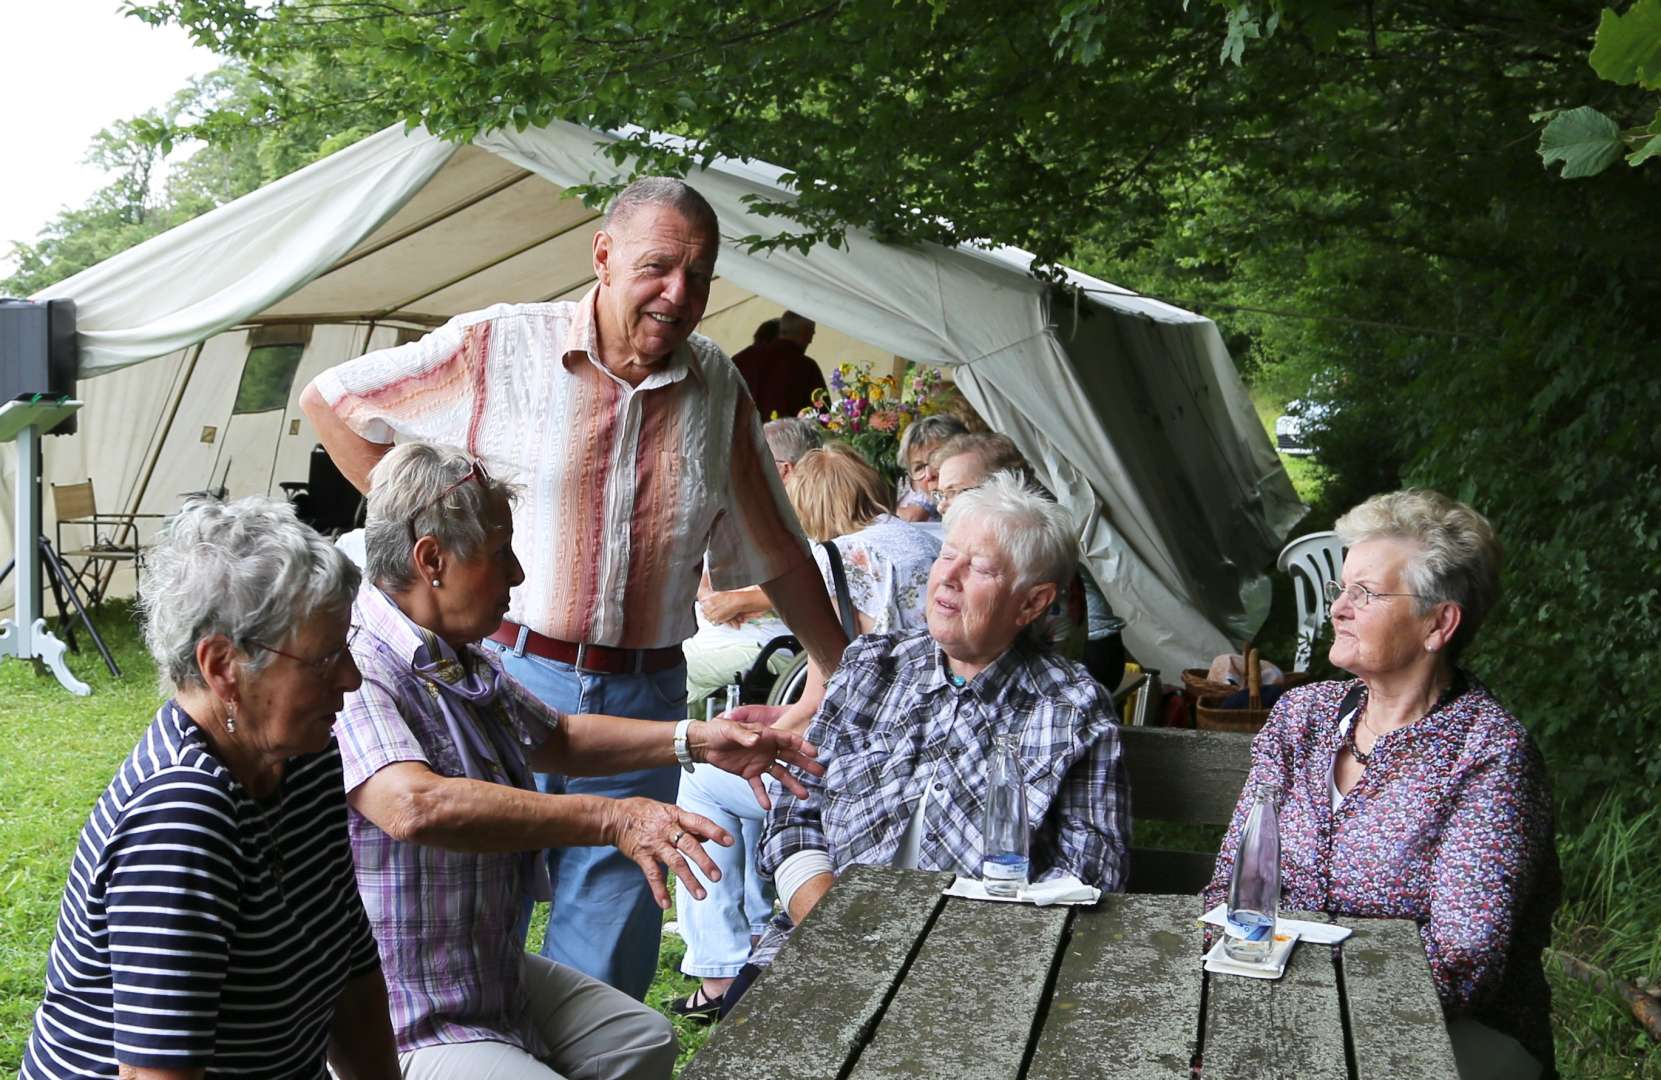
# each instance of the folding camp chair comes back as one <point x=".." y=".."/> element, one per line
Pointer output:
<point x="107" y="541"/>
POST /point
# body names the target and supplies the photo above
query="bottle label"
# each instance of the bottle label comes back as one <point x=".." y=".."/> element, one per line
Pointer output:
<point x="1250" y="926"/>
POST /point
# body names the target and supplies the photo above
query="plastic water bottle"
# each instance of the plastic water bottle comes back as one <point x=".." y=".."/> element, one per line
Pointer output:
<point x="1003" y="867"/>
<point x="1254" y="887"/>
<point x="734" y="693"/>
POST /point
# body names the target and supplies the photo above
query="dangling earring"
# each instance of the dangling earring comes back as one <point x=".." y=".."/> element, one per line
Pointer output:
<point x="230" y="718"/>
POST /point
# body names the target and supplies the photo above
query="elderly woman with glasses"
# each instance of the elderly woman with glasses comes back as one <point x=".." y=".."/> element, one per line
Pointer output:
<point x="1409" y="791"/>
<point x="447" y="825"/>
<point x="908" y="722"/>
<point x="917" y="442"/>
<point x="212" y="925"/>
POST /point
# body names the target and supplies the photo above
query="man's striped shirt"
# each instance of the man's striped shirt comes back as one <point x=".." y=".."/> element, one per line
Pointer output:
<point x="626" y="487"/>
<point x="200" y="928"/>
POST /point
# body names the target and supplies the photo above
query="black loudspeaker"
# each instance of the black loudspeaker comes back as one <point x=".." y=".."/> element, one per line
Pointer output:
<point x="37" y="351"/>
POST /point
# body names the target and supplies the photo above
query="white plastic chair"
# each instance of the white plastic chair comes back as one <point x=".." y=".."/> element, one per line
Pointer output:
<point x="1312" y="561"/>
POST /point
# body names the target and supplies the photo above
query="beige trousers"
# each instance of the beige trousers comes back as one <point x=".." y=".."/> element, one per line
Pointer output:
<point x="592" y="1031"/>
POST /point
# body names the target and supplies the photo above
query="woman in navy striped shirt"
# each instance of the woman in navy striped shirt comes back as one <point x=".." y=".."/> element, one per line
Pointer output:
<point x="211" y="925"/>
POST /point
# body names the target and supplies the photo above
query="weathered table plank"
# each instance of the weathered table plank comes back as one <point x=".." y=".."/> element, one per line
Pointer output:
<point x="809" y="1014"/>
<point x="1127" y="999"/>
<point x="968" y="1006"/>
<point x="1395" y="1016"/>
<point x="1257" y="1029"/>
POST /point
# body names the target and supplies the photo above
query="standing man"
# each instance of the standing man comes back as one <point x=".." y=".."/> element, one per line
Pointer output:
<point x="640" y="451"/>
<point x="780" y="374"/>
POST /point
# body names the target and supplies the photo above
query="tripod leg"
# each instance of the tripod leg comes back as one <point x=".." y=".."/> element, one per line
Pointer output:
<point x="7" y="572"/>
<point x="64" y="624"/>
<point x="51" y="558"/>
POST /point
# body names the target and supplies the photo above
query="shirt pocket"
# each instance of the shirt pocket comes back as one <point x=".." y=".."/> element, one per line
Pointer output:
<point x="682" y="480"/>
<point x="853" y="784"/>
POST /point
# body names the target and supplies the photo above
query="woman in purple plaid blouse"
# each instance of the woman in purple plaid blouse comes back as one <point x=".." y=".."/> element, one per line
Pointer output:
<point x="1409" y="791"/>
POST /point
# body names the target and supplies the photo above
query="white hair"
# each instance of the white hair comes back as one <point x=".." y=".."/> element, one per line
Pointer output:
<point x="1035" y="533"/>
<point x="1458" y="559"/>
<point x="248" y="570"/>
<point x="418" y="490"/>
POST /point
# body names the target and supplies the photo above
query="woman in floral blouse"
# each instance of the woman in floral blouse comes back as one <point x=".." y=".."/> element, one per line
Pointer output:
<point x="1410" y="792"/>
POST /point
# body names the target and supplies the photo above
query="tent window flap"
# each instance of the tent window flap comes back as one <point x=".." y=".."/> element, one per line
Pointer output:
<point x="267" y="377"/>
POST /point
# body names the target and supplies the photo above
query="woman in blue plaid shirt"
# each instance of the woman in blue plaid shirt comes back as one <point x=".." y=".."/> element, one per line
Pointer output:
<point x="909" y="718"/>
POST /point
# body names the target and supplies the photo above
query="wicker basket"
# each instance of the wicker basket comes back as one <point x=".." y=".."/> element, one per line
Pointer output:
<point x="1195" y="684"/>
<point x="1209" y="714"/>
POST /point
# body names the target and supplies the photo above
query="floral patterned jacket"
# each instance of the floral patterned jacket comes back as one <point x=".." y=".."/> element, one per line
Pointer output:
<point x="1450" y="825"/>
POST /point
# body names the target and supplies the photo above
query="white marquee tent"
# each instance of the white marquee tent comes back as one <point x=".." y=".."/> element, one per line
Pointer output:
<point x="1130" y="409"/>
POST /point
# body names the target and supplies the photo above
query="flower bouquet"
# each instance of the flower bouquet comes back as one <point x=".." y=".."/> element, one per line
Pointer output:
<point x="869" y="413"/>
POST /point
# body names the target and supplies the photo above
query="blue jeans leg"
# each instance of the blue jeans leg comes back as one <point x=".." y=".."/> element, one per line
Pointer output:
<point x="717" y="929"/>
<point x="603" y="920"/>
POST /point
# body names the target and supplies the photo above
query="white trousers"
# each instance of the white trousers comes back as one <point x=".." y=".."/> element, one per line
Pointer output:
<point x="593" y="1032"/>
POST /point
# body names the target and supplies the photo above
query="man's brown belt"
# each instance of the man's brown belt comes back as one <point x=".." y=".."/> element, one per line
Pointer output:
<point x="599" y="658"/>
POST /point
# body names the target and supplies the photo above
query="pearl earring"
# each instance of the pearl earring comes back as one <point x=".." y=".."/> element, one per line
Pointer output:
<point x="436" y="583"/>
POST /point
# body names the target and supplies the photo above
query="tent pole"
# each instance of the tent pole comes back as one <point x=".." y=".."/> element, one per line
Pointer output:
<point x="143" y="485"/>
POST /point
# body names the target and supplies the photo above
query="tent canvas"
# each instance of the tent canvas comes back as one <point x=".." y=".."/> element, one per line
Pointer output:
<point x="1129" y="409"/>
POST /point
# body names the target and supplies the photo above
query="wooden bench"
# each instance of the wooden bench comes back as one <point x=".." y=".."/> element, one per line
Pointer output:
<point x="1184" y="777"/>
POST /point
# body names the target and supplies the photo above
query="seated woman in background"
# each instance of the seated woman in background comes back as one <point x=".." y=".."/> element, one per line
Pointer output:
<point x="212" y="924"/>
<point x="908" y="720"/>
<point x="1409" y="792"/>
<point x="838" y="497"/>
<point x="917" y="442"/>
<point x="447" y="826"/>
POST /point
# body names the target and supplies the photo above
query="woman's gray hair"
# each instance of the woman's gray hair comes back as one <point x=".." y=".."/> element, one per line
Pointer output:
<point x="1036" y="534"/>
<point x="249" y="570"/>
<point x="926" y="431"/>
<point x="418" y="490"/>
<point x="1459" y="556"/>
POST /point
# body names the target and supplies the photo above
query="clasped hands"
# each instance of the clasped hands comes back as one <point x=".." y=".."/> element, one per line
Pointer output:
<point x="657" y="835"/>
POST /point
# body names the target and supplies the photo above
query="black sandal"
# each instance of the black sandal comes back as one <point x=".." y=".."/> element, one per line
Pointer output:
<point x="699" y="1006"/>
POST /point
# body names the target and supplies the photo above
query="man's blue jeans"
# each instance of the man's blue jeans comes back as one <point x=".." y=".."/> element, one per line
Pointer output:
<point x="603" y="920"/>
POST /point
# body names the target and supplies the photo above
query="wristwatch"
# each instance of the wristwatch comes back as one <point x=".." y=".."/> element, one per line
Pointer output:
<point x="683" y="752"/>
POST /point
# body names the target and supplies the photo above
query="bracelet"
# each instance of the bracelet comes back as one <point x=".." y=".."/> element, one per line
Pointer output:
<point x="683" y="752"/>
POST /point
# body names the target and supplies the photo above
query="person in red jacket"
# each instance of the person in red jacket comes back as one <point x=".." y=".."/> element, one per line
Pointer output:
<point x="780" y="374"/>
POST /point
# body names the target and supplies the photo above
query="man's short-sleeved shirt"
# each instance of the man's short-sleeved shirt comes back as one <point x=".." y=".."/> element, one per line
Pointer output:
<point x="626" y="488"/>
<point x="200" y="928"/>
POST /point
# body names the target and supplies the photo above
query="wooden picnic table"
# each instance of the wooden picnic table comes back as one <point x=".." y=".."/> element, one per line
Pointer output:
<point x="888" y="978"/>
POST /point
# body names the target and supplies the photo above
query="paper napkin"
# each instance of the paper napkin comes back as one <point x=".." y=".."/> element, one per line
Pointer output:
<point x="1319" y="932"/>
<point x="1062" y="890"/>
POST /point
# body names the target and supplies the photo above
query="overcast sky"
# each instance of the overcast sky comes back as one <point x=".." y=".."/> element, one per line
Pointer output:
<point x="69" y="68"/>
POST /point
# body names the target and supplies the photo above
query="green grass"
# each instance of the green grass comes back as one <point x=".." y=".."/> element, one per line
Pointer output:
<point x="58" y="752"/>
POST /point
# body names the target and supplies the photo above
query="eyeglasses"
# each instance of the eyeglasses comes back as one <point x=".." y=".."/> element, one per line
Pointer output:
<point x="943" y="496"/>
<point x="1360" y="596"/>
<point x="918" y="469"/>
<point x="475" y="473"/>
<point x="324" y="664"/>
